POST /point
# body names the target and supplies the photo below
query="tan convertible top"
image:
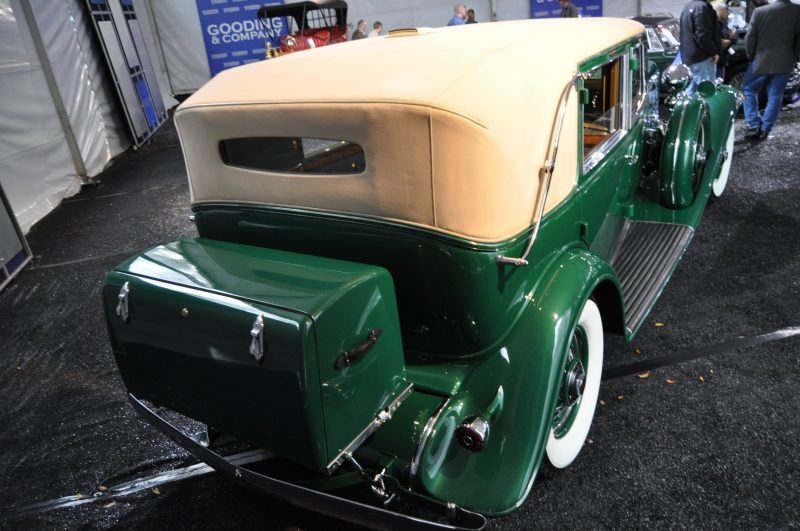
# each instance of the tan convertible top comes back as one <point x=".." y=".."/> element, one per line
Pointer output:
<point x="454" y="122"/>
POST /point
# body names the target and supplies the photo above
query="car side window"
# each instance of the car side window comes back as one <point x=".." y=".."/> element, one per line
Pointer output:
<point x="603" y="109"/>
<point x="293" y="155"/>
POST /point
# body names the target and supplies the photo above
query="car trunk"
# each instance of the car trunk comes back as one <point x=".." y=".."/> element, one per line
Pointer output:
<point x="294" y="353"/>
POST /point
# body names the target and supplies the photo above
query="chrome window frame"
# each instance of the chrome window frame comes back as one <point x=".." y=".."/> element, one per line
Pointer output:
<point x="601" y="150"/>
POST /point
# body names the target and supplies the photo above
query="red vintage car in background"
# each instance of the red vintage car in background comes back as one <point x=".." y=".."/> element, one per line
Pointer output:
<point x="308" y="25"/>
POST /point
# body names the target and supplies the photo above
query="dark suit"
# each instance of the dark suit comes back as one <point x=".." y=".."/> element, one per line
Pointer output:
<point x="773" y="41"/>
<point x="569" y="11"/>
<point x="700" y="34"/>
<point x="772" y="45"/>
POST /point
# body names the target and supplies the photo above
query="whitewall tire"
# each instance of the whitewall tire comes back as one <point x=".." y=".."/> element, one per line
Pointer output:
<point x="718" y="185"/>
<point x="573" y="416"/>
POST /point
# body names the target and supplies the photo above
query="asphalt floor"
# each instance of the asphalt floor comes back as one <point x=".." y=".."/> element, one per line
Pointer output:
<point x="711" y="443"/>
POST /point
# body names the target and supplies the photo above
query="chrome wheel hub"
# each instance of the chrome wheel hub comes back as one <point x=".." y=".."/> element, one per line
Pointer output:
<point x="575" y="383"/>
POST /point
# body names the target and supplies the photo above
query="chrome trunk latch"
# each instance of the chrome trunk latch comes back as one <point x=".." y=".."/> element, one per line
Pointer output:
<point x="257" y="339"/>
<point x="122" y="304"/>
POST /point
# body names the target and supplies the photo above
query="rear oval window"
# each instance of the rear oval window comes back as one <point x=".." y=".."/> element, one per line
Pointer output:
<point x="294" y="155"/>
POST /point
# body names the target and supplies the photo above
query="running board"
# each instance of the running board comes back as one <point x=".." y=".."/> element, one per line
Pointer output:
<point x="644" y="261"/>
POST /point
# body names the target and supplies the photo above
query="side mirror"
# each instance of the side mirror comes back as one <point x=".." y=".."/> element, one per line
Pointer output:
<point x="676" y="78"/>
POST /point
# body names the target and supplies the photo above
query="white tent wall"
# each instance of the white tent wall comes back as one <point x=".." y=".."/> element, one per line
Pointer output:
<point x="149" y="26"/>
<point x="79" y="74"/>
<point x="36" y="169"/>
<point x="178" y="26"/>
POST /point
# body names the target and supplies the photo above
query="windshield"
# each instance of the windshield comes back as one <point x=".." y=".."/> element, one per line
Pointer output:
<point x="669" y="34"/>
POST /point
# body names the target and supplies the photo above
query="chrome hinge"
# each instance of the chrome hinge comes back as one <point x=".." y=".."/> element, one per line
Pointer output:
<point x="122" y="305"/>
<point x="257" y="338"/>
<point x="512" y="261"/>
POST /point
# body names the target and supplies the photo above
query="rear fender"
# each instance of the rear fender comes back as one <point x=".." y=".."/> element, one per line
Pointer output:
<point x="524" y="370"/>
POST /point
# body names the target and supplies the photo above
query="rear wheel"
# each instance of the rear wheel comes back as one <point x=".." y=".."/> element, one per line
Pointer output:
<point x="580" y="386"/>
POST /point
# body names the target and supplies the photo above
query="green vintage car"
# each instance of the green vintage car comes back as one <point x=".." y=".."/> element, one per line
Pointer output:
<point x="404" y="283"/>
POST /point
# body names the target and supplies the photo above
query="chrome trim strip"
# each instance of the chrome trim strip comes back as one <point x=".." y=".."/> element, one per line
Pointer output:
<point x="602" y="150"/>
<point x="423" y="440"/>
<point x="380" y="419"/>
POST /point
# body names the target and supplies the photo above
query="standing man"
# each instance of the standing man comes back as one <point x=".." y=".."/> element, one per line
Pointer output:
<point x="772" y="45"/>
<point x="377" y="28"/>
<point x="568" y="9"/>
<point x="459" y="15"/>
<point x="700" y="42"/>
<point x="361" y="31"/>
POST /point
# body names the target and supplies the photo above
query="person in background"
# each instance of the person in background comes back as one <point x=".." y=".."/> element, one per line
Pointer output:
<point x="459" y="15"/>
<point x="471" y="17"/>
<point x="361" y="31"/>
<point x="772" y="45"/>
<point x="700" y="42"/>
<point x="377" y="28"/>
<point x="729" y="37"/>
<point x="568" y="9"/>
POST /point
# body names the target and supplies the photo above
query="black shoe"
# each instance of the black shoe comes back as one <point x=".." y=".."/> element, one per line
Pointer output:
<point x="753" y="133"/>
<point x="763" y="135"/>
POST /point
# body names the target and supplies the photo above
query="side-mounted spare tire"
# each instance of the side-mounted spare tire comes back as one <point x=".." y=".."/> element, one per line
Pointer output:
<point x="683" y="159"/>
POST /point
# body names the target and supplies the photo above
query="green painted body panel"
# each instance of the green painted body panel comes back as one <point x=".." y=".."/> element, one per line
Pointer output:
<point x="454" y="299"/>
<point x="294" y="401"/>
<point x="527" y="367"/>
<point x="401" y="436"/>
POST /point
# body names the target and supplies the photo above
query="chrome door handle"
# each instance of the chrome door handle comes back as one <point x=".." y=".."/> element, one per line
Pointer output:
<point x="257" y="338"/>
<point x="632" y="159"/>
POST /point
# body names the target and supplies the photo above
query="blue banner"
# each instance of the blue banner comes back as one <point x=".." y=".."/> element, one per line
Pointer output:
<point x="233" y="34"/>
<point x="551" y="8"/>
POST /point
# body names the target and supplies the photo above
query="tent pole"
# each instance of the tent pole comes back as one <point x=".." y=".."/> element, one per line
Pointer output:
<point x="52" y="86"/>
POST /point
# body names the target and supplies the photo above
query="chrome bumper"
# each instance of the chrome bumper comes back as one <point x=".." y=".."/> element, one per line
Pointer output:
<point x="321" y="502"/>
